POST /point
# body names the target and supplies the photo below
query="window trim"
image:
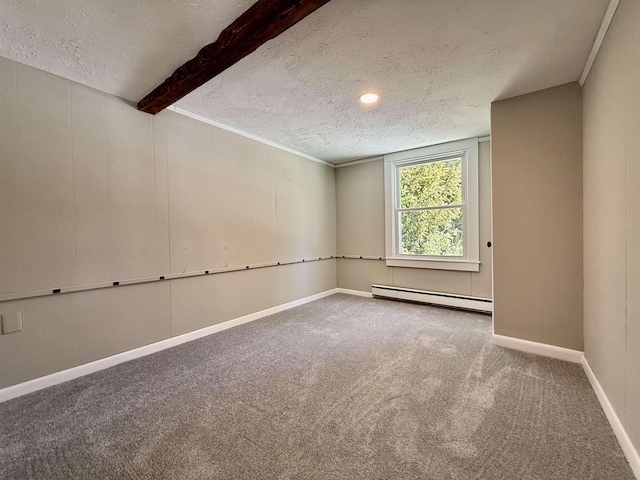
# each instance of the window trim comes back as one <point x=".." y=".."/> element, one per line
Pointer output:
<point x="471" y="260"/>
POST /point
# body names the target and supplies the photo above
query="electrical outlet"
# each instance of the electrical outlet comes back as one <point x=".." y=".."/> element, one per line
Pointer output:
<point x="11" y="323"/>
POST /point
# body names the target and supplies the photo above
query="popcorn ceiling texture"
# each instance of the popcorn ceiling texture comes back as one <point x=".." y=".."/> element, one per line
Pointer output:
<point x="122" y="47"/>
<point x="438" y="64"/>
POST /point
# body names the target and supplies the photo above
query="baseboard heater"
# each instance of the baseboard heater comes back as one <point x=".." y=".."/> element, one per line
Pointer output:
<point x="422" y="296"/>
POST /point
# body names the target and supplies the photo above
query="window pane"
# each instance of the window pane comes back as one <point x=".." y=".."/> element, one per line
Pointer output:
<point x="431" y="184"/>
<point x="431" y="232"/>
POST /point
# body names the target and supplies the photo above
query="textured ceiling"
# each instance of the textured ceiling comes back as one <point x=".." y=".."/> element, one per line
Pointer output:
<point x="122" y="47"/>
<point x="437" y="64"/>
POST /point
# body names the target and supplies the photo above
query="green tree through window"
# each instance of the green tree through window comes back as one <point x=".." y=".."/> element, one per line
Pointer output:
<point x="430" y="216"/>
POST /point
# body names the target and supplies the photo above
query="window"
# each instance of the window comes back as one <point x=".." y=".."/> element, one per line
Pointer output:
<point x="432" y="207"/>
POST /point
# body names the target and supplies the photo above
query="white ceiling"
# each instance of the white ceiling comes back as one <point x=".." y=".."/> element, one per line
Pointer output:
<point x="438" y="64"/>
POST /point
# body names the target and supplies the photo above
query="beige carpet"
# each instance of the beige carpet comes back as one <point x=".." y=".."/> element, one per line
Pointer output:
<point x="341" y="388"/>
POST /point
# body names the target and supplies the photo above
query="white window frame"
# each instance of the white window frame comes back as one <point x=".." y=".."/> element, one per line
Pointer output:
<point x="468" y="151"/>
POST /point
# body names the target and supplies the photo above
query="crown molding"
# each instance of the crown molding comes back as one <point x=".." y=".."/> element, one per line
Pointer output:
<point x="606" y="22"/>
<point x="244" y="133"/>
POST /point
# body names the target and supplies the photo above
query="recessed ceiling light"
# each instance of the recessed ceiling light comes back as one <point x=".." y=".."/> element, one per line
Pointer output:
<point x="369" y="98"/>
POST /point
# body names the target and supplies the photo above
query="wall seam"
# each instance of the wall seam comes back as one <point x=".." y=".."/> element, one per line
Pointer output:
<point x="335" y="221"/>
<point x="155" y="221"/>
<point x="20" y="175"/>
<point x="75" y="304"/>
<point x="153" y="178"/>
<point x="106" y="184"/>
<point x="73" y="190"/>
<point x="166" y="138"/>
<point x="187" y="247"/>
<point x="626" y="279"/>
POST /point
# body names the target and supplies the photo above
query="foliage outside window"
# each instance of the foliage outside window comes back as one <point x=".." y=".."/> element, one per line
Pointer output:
<point x="432" y="207"/>
<point x="430" y="213"/>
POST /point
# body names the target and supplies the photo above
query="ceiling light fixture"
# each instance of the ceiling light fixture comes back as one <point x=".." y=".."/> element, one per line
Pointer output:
<point x="369" y="98"/>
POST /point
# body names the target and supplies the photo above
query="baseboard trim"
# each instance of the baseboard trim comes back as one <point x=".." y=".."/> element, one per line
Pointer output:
<point x="56" y="378"/>
<point x="618" y="429"/>
<point x="576" y="356"/>
<point x="552" y="351"/>
<point x="560" y="353"/>
<point x="357" y="293"/>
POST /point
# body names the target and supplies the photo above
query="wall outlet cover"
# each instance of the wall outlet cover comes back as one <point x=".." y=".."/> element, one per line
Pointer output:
<point x="11" y="323"/>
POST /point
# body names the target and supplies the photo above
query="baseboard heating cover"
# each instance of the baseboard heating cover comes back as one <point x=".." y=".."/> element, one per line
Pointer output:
<point x="423" y="296"/>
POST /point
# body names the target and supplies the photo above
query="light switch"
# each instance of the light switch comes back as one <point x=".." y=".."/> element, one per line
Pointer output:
<point x="11" y="323"/>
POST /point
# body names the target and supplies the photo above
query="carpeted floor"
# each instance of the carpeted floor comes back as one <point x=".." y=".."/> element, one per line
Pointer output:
<point x="341" y="388"/>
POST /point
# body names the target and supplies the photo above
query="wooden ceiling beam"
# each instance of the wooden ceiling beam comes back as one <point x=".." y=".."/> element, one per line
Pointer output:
<point x="266" y="19"/>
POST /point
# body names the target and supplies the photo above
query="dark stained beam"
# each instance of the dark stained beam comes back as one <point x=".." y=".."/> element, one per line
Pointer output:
<point x="265" y="20"/>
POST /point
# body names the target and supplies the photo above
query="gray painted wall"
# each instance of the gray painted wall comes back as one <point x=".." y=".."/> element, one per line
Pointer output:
<point x="612" y="217"/>
<point x="91" y="190"/>
<point x="360" y="218"/>
<point x="537" y="216"/>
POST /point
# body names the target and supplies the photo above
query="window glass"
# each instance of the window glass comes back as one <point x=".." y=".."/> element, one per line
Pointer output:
<point x="431" y="184"/>
<point x="431" y="232"/>
<point x="431" y="207"/>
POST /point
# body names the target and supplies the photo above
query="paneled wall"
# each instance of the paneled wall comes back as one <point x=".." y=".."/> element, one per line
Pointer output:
<point x="612" y="217"/>
<point x="93" y="191"/>
<point x="537" y="216"/>
<point x="360" y="218"/>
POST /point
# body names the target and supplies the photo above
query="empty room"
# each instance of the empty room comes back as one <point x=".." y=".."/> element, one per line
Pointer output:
<point x="320" y="239"/>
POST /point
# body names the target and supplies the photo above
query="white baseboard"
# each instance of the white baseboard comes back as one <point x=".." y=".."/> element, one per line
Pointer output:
<point x="357" y="293"/>
<point x="618" y="429"/>
<point x="576" y="356"/>
<point x="72" y="373"/>
<point x="560" y="353"/>
<point x="566" y="354"/>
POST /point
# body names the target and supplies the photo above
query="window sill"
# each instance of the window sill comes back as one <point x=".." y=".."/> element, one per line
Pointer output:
<point x="459" y="265"/>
